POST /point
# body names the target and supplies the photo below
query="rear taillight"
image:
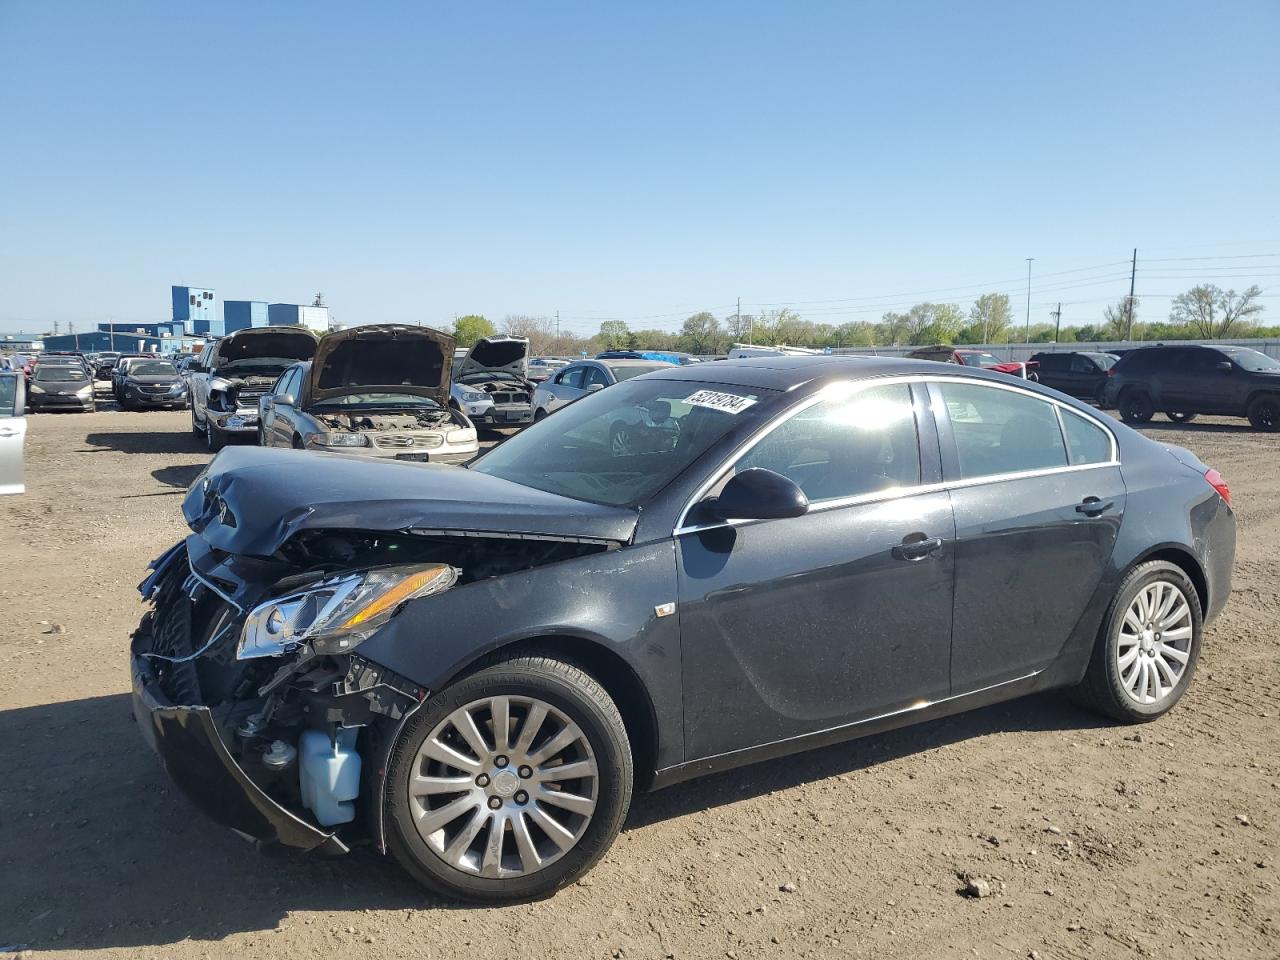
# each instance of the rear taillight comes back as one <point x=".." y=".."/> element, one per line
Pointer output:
<point x="1215" y="480"/>
<point x="1111" y="372"/>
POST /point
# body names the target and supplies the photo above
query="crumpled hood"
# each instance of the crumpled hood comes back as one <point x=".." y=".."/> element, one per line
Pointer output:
<point x="252" y="499"/>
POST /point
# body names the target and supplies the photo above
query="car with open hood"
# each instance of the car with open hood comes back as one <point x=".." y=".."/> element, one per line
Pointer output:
<point x="377" y="390"/>
<point x="499" y="367"/>
<point x="148" y="384"/>
<point x="474" y="668"/>
<point x="227" y="380"/>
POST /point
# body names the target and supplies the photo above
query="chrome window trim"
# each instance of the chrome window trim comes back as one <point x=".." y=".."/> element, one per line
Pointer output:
<point x="896" y="493"/>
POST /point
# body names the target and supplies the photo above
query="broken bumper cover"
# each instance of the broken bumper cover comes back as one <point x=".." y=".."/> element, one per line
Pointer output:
<point x="195" y="757"/>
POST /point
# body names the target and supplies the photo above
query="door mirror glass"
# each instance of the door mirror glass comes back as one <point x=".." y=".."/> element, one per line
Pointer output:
<point x="759" y="494"/>
<point x="1223" y="365"/>
<point x="595" y="387"/>
<point x="284" y="399"/>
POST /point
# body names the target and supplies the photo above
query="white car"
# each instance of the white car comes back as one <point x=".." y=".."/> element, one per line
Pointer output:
<point x="499" y="367"/>
<point x="226" y="381"/>
<point x="13" y="431"/>
<point x="586" y="376"/>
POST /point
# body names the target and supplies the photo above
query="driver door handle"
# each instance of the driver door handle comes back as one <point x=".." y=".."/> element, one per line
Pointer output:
<point x="1093" y="507"/>
<point x="916" y="546"/>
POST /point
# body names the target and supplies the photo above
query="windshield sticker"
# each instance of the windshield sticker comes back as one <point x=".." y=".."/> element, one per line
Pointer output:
<point x="726" y="402"/>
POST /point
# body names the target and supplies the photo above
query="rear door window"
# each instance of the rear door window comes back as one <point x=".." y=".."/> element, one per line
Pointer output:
<point x="1086" y="441"/>
<point x="1000" y="431"/>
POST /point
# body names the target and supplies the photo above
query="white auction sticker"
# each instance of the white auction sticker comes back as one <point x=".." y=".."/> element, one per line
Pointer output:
<point x="728" y="402"/>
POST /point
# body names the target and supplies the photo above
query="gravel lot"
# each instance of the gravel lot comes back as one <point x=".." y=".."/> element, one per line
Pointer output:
<point x="1095" y="840"/>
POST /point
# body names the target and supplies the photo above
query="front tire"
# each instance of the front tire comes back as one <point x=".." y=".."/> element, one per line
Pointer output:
<point x="214" y="438"/>
<point x="1136" y="407"/>
<point x="474" y="808"/>
<point x="1147" y="650"/>
<point x="195" y="424"/>
<point x="1264" y="414"/>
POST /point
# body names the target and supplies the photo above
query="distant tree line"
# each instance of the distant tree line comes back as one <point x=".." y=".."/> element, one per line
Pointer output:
<point x="1203" y="312"/>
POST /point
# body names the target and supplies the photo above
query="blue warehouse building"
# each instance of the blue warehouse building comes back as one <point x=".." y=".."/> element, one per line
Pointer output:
<point x="196" y="309"/>
<point x="242" y="314"/>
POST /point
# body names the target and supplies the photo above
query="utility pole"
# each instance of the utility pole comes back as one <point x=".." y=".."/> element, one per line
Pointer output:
<point x="1028" y="337"/>
<point x="557" y="324"/>
<point x="1133" y="273"/>
<point x="1057" y="323"/>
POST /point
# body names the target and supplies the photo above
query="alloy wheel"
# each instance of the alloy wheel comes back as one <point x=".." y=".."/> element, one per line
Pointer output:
<point x="503" y="786"/>
<point x="1154" y="646"/>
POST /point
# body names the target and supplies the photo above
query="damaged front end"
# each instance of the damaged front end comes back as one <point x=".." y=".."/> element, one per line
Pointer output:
<point x="262" y="715"/>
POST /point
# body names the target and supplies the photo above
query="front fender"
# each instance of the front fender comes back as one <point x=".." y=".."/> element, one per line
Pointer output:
<point x="606" y="599"/>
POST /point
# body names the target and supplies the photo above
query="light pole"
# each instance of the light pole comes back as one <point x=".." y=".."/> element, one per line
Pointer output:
<point x="1028" y="334"/>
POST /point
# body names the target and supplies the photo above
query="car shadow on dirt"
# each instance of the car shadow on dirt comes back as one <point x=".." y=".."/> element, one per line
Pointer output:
<point x="178" y="475"/>
<point x="124" y="441"/>
<point x="101" y="851"/>
<point x="1039" y="712"/>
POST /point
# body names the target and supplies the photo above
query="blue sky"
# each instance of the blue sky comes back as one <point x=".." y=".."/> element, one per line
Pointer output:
<point x="636" y="161"/>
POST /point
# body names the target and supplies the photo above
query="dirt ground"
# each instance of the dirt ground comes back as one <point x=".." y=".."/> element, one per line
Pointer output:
<point x="1097" y="840"/>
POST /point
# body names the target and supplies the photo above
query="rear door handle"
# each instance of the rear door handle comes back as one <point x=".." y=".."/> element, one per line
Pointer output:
<point x="1093" y="507"/>
<point x="916" y="546"/>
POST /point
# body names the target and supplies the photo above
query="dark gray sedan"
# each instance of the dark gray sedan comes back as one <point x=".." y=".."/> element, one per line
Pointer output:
<point x="474" y="668"/>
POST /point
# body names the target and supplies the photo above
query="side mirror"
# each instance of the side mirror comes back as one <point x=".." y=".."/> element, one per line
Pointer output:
<point x="283" y="400"/>
<point x="1223" y="365"/>
<point x="759" y="494"/>
<point x="595" y="388"/>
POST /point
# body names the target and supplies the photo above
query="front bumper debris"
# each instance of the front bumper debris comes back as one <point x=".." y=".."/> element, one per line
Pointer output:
<point x="187" y="740"/>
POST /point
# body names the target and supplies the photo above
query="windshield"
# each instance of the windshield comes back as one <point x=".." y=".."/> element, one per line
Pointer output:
<point x="622" y="445"/>
<point x="370" y="401"/>
<point x="979" y="359"/>
<point x="1253" y="360"/>
<point x="62" y="374"/>
<point x="152" y="368"/>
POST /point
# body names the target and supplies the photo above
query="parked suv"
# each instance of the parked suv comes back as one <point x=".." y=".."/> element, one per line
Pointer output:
<point x="1076" y="373"/>
<point x="1183" y="381"/>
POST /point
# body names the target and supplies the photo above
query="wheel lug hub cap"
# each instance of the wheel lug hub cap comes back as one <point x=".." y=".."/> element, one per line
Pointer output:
<point x="506" y="783"/>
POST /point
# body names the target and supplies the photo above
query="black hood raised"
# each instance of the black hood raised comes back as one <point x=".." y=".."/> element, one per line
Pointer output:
<point x="383" y="358"/>
<point x="252" y="499"/>
<point x="289" y="344"/>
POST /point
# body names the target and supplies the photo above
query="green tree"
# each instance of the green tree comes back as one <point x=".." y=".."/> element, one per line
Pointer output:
<point x="467" y="330"/>
<point x="990" y="316"/>
<point x="933" y="323"/>
<point x="614" y="334"/>
<point x="701" y="334"/>
<point x="1116" y="320"/>
<point x="1212" y="312"/>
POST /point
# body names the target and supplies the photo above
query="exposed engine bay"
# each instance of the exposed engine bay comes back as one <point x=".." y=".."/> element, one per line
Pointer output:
<point x="502" y="389"/>
<point x="361" y="421"/>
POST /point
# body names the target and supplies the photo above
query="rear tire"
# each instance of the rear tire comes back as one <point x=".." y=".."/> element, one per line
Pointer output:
<point x="1264" y="413"/>
<point x="455" y="867"/>
<point x="1136" y="407"/>
<point x="1180" y="416"/>
<point x="1127" y="646"/>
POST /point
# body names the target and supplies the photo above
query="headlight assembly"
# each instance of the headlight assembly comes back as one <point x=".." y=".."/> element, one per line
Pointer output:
<point x="338" y="440"/>
<point x="84" y="393"/>
<point x="336" y="615"/>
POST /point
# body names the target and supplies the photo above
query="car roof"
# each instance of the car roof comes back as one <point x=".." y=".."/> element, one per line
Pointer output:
<point x="631" y="362"/>
<point x="787" y="373"/>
